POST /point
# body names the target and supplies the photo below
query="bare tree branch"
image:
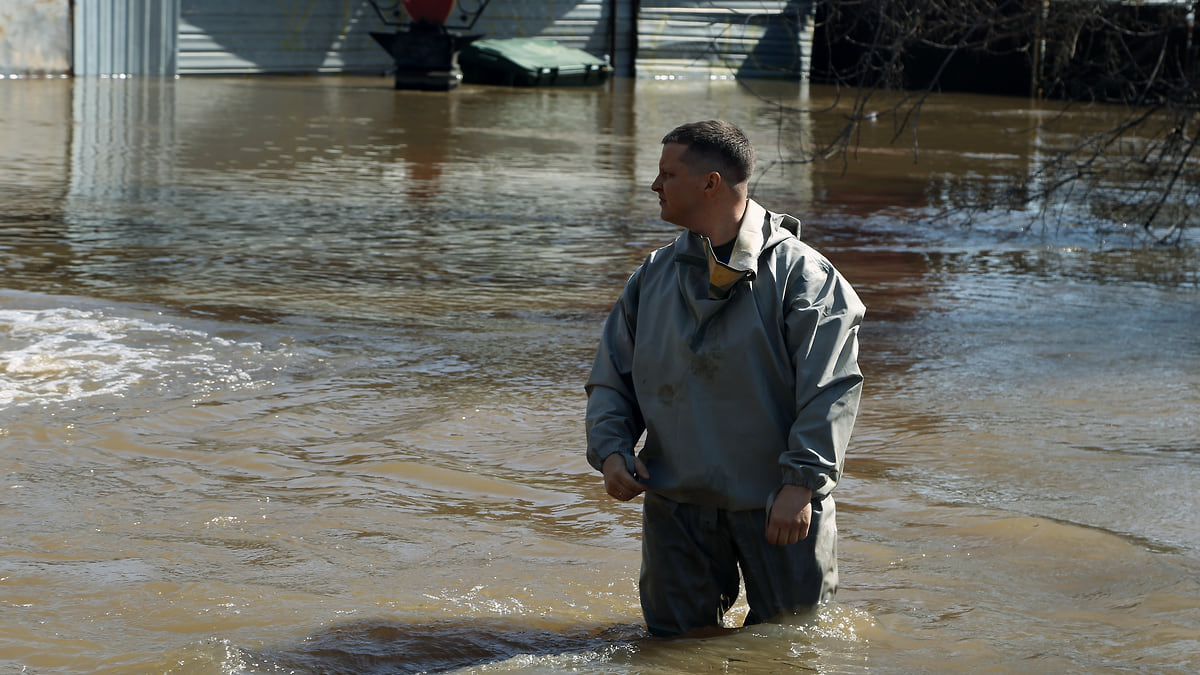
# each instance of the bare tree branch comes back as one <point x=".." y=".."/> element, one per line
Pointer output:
<point x="1141" y="57"/>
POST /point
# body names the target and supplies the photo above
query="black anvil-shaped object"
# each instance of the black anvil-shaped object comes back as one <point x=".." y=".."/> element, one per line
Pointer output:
<point x="425" y="55"/>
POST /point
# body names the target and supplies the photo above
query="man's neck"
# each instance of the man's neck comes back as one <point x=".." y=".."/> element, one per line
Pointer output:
<point x="723" y="227"/>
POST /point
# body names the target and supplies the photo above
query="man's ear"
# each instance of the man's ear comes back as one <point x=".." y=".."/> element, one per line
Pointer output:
<point x="712" y="183"/>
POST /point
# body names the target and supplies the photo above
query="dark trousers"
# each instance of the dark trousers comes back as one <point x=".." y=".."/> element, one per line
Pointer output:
<point x="691" y="556"/>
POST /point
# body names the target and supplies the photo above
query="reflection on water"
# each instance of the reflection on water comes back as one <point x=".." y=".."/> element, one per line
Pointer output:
<point x="293" y="367"/>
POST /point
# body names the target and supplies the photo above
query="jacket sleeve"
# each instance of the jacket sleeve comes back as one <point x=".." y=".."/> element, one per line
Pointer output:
<point x="822" y="318"/>
<point x="614" y="420"/>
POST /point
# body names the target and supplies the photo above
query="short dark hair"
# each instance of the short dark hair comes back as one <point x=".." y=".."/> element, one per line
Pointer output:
<point x="715" y="145"/>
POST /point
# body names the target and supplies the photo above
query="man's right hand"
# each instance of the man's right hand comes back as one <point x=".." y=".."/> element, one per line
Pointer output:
<point x="790" y="516"/>
<point x="618" y="482"/>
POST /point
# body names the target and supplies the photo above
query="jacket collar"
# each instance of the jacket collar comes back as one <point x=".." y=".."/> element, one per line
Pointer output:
<point x="743" y="260"/>
<point x="755" y="231"/>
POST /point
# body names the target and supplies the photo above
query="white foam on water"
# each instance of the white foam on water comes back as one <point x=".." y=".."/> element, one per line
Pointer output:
<point x="67" y="354"/>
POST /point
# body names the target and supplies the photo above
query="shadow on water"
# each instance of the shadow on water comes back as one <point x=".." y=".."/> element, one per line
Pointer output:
<point x="379" y="646"/>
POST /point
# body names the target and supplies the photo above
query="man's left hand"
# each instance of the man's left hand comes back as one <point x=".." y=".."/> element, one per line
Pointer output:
<point x="787" y="523"/>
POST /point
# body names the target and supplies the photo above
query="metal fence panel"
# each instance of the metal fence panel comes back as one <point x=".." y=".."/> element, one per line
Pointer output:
<point x="581" y="24"/>
<point x="725" y="38"/>
<point x="125" y="37"/>
<point x="289" y="36"/>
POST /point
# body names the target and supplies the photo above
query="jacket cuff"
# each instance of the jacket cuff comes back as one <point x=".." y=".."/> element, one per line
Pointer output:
<point x="596" y="458"/>
<point x="820" y="482"/>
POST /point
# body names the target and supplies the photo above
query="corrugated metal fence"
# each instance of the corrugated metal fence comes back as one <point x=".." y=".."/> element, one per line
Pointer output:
<point x="583" y="24"/>
<point x="296" y="36"/>
<point x="748" y="38"/>
<point x="730" y="38"/>
<point x="125" y="37"/>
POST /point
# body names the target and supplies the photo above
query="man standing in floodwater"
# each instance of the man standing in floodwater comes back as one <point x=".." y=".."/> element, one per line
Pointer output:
<point x="735" y="349"/>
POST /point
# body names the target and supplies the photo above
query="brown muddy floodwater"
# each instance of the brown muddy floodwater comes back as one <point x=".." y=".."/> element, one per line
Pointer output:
<point x="293" y="369"/>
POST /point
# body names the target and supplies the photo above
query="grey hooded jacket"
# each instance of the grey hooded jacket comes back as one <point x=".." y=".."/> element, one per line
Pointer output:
<point x="744" y="376"/>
